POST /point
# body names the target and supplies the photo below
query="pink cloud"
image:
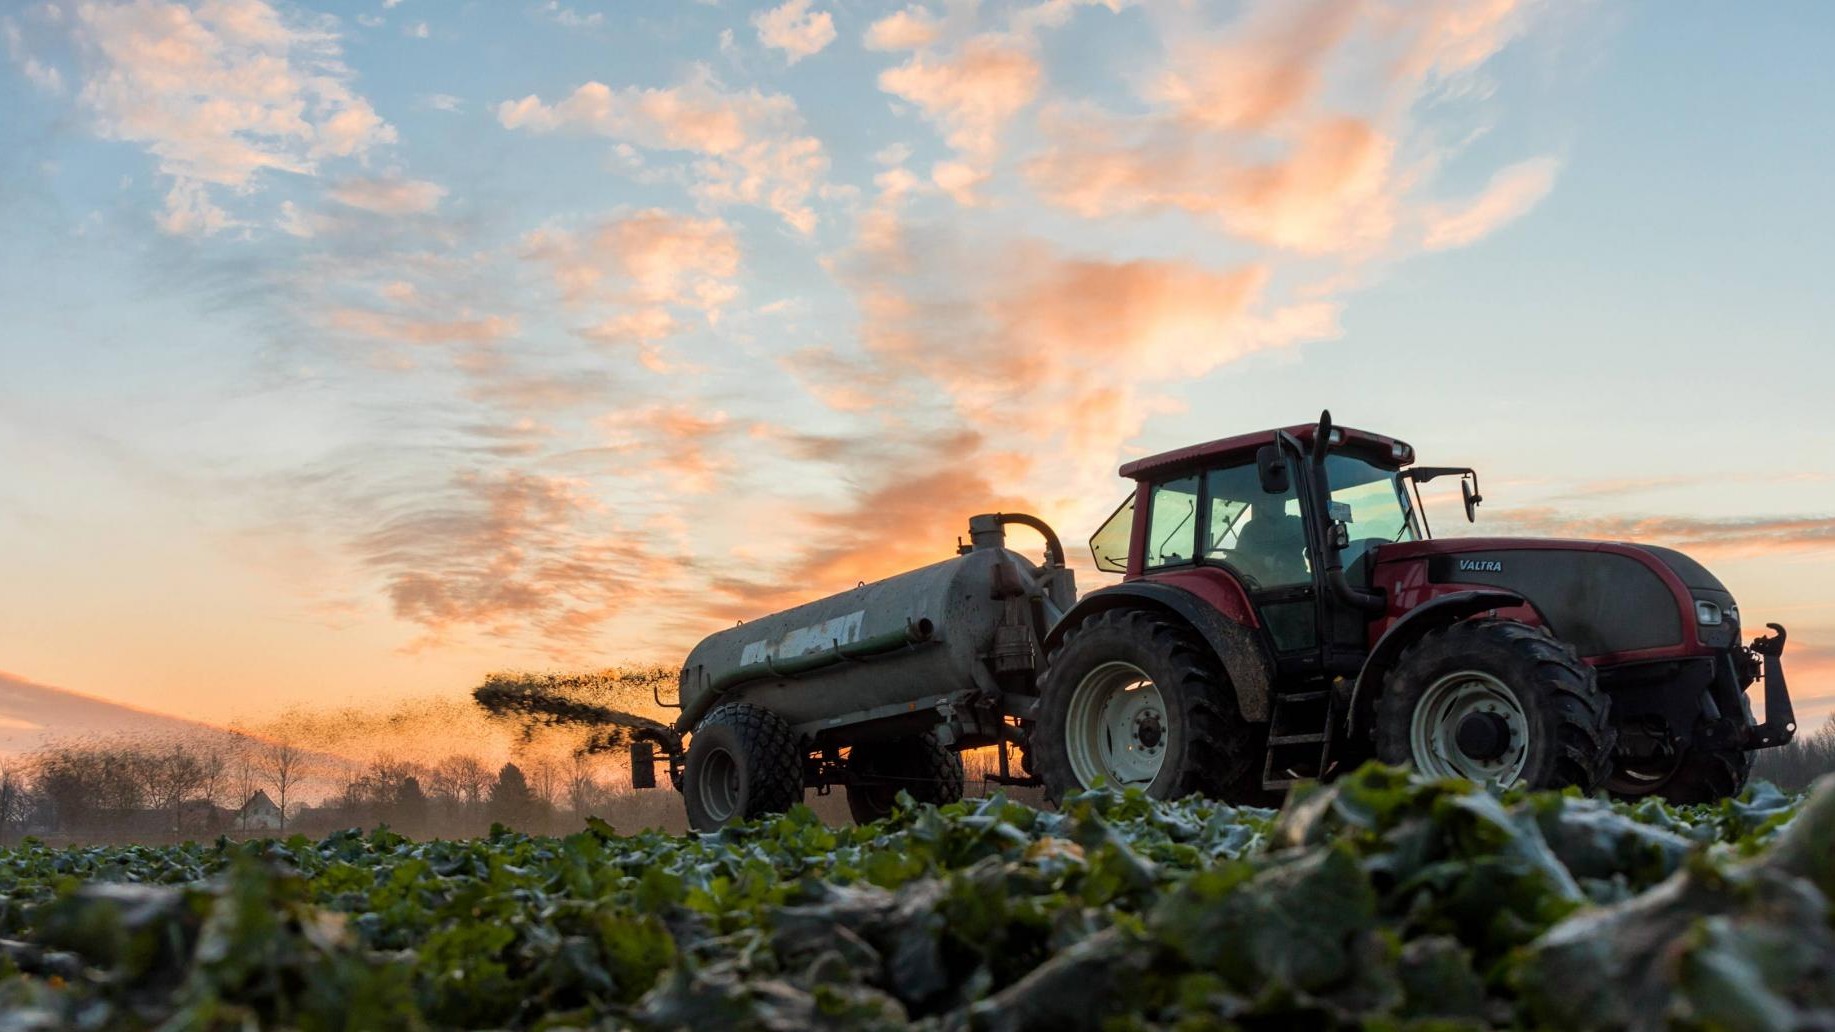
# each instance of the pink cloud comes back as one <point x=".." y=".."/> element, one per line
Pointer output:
<point x="755" y="148"/>
<point x="219" y="93"/>
<point x="389" y="195"/>
<point x="794" y="29"/>
<point x="1511" y="193"/>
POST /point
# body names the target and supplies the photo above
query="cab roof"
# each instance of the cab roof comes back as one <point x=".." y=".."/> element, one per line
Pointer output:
<point x="1375" y="448"/>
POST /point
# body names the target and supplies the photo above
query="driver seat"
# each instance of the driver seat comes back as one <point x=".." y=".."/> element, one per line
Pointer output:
<point x="1272" y="547"/>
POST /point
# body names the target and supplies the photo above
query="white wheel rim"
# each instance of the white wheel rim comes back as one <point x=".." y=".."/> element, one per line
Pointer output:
<point x="1117" y="729"/>
<point x="1433" y="733"/>
<point x="719" y="785"/>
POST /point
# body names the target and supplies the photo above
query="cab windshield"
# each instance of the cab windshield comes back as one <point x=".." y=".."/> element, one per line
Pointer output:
<point x="1373" y="503"/>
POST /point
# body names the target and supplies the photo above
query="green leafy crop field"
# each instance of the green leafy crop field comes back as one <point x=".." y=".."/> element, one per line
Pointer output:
<point x="1373" y="902"/>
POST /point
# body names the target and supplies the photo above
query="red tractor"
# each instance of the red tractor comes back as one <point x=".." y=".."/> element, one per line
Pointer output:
<point x="1284" y="613"/>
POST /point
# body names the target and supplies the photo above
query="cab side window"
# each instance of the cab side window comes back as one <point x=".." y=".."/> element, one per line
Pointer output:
<point x="1172" y="523"/>
<point x="1261" y="535"/>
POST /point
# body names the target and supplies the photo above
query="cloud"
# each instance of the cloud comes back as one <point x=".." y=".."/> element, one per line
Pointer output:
<point x="1700" y="536"/>
<point x="970" y="94"/>
<point x="794" y="29"/>
<point x="219" y="94"/>
<point x="1510" y="194"/>
<point x="1285" y="135"/>
<point x="908" y="29"/>
<point x="641" y="266"/>
<point x="511" y="553"/>
<point x="680" y="443"/>
<point x="651" y="256"/>
<point x="567" y="17"/>
<point x="754" y="146"/>
<point x="408" y="329"/>
<point x="389" y="195"/>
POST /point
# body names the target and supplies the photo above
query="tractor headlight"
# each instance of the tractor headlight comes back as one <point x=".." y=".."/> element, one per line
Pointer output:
<point x="1707" y="614"/>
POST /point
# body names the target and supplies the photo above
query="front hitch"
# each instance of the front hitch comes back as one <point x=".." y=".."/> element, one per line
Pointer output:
<point x="1780" y="724"/>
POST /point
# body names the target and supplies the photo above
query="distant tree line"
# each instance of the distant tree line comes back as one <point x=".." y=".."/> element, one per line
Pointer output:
<point x="123" y="790"/>
<point x="1794" y="766"/>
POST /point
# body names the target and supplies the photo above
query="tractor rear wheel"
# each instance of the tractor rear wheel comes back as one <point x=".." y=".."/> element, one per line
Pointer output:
<point x="1135" y="698"/>
<point x="1696" y="776"/>
<point x="1498" y="701"/>
<point x="923" y="766"/>
<point x="743" y="762"/>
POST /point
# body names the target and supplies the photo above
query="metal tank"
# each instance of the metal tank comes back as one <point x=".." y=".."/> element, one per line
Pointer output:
<point x="890" y="654"/>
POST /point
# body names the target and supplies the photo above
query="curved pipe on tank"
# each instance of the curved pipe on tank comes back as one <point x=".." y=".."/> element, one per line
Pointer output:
<point x="917" y="632"/>
<point x="1054" y="549"/>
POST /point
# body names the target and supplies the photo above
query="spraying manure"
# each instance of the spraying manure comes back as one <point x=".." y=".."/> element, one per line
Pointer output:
<point x="595" y="707"/>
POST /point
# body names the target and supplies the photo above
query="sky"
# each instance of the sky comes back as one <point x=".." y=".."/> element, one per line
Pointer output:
<point x="352" y="350"/>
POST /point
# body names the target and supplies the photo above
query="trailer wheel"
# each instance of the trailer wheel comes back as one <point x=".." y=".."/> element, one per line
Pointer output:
<point x="742" y="763"/>
<point x="1696" y="776"/>
<point x="1496" y="700"/>
<point x="1134" y="698"/>
<point x="922" y="766"/>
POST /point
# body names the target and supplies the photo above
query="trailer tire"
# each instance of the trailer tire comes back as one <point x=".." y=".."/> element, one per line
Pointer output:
<point x="1187" y="736"/>
<point x="743" y="762"/>
<point x="922" y="766"/>
<point x="1699" y="776"/>
<point x="1496" y="700"/>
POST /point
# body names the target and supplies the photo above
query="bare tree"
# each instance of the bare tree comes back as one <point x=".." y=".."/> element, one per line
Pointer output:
<point x="173" y="776"/>
<point x="244" y="778"/>
<point x="283" y="767"/>
<point x="584" y="793"/>
<point x="545" y="782"/>
<point x="14" y="800"/>
<point x="464" y="778"/>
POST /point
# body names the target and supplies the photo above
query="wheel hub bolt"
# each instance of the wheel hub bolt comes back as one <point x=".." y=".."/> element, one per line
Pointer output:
<point x="1147" y="729"/>
<point x="1483" y="736"/>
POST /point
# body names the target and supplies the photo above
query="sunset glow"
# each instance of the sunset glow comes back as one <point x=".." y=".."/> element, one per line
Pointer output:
<point x="355" y="349"/>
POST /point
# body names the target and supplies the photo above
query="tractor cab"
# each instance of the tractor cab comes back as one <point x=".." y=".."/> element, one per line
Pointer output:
<point x="1292" y="542"/>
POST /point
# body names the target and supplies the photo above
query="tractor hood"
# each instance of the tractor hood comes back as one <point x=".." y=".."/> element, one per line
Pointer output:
<point x="1605" y="597"/>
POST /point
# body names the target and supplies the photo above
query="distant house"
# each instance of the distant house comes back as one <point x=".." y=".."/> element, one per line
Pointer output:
<point x="258" y="814"/>
<point x="203" y="816"/>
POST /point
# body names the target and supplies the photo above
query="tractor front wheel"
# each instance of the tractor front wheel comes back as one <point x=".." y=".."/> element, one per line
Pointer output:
<point x="1698" y="775"/>
<point x="1496" y="701"/>
<point x="1134" y="698"/>
<point x="922" y="766"/>
<point x="743" y="762"/>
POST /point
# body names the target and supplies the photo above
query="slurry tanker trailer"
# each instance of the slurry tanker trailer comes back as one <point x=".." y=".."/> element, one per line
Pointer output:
<point x="1284" y="612"/>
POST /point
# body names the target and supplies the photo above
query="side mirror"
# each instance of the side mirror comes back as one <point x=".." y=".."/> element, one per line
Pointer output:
<point x="1272" y="469"/>
<point x="1468" y="487"/>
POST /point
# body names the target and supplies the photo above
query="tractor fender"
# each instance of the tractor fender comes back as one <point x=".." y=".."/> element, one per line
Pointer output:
<point x="1239" y="648"/>
<point x="1442" y="611"/>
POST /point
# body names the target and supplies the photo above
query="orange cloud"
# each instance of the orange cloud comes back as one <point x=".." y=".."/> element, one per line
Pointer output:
<point x="793" y="28"/>
<point x="1731" y="536"/>
<point x="907" y="29"/>
<point x="1511" y="192"/>
<point x="970" y="94"/>
<point x="1239" y="128"/>
<point x="366" y="322"/>
<point x="650" y="257"/>
<point x="511" y="553"/>
<point x="389" y="195"/>
<point x="219" y="92"/>
<point x="1268" y="69"/>
<point x="756" y="150"/>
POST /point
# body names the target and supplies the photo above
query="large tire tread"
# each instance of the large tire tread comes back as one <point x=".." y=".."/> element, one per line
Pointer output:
<point x="1584" y="737"/>
<point x="768" y="751"/>
<point x="1218" y="759"/>
<point x="922" y="766"/>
